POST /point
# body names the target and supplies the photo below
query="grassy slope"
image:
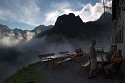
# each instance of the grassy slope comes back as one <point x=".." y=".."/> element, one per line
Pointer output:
<point x="26" y="75"/>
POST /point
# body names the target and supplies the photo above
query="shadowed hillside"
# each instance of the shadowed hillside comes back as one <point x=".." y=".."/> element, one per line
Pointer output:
<point x="71" y="27"/>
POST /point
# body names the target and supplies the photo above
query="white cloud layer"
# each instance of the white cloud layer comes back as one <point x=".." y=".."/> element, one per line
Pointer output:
<point x="88" y="12"/>
<point x="12" y="39"/>
<point x="19" y="11"/>
<point x="29" y="12"/>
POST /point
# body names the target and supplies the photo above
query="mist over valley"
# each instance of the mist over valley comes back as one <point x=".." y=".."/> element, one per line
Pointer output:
<point x="19" y="48"/>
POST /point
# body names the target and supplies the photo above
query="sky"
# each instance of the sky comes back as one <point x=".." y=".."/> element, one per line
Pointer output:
<point x="27" y="14"/>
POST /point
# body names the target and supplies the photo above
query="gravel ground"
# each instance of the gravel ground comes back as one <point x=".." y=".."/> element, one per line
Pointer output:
<point x="67" y="73"/>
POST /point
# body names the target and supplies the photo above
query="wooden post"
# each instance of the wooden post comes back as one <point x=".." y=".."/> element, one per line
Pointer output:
<point x="104" y="8"/>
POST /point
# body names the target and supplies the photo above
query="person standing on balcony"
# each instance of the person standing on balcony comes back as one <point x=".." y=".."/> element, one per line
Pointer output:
<point x="93" y="59"/>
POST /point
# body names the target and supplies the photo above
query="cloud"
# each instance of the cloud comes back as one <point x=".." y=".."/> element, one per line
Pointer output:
<point x="87" y="13"/>
<point x="91" y="12"/>
<point x="57" y="10"/>
<point x="51" y="17"/>
<point x="21" y="11"/>
<point x="10" y="39"/>
<point x="29" y="11"/>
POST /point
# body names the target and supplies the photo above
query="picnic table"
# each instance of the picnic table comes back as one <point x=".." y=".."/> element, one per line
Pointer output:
<point x="71" y="53"/>
<point x="61" y="58"/>
<point x="102" y="59"/>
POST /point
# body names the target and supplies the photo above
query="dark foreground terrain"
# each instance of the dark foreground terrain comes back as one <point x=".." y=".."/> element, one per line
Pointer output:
<point x="67" y="73"/>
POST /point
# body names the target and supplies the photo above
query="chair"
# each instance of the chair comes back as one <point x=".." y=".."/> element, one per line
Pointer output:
<point x="84" y="66"/>
<point x="80" y="61"/>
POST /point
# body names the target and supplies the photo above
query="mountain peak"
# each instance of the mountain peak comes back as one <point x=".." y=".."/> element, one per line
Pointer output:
<point x="68" y="20"/>
<point x="4" y="27"/>
<point x="71" y="15"/>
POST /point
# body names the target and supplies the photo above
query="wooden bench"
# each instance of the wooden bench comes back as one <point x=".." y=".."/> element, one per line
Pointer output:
<point x="67" y="59"/>
<point x="64" y="52"/>
<point x="84" y="66"/>
<point x="63" y="60"/>
<point x="44" y="59"/>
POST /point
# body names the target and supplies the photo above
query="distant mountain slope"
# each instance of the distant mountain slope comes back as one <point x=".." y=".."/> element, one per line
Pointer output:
<point x="41" y="28"/>
<point x="71" y="26"/>
<point x="19" y="34"/>
<point x="66" y="27"/>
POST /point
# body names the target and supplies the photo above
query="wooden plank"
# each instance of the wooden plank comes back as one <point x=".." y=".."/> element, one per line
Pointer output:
<point x="44" y="59"/>
<point x="67" y="59"/>
<point x="46" y="55"/>
<point x="64" y="52"/>
<point x="86" y="64"/>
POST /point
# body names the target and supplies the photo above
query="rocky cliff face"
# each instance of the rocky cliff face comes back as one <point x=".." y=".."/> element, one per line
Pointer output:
<point x="71" y="26"/>
<point x="41" y="28"/>
<point x="19" y="34"/>
<point x="66" y="27"/>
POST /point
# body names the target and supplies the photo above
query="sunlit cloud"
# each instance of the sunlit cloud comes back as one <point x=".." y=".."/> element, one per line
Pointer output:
<point x="19" y="11"/>
<point x="58" y="9"/>
<point x="88" y="12"/>
<point x="61" y="5"/>
<point x="91" y="12"/>
<point x="30" y="13"/>
<point x="9" y="41"/>
<point x="51" y="17"/>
